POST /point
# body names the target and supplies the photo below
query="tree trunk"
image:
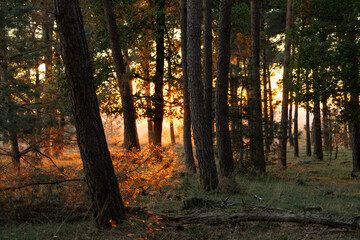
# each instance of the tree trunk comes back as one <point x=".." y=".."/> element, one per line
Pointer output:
<point x="318" y="151"/>
<point x="226" y="162"/>
<point x="257" y="157"/>
<point x="296" y="130"/>
<point x="346" y="136"/>
<point x="202" y="133"/>
<point x="99" y="172"/>
<point x="326" y="129"/>
<point x="286" y="83"/>
<point x="291" y="137"/>
<point x="189" y="156"/>
<point x="159" y="74"/>
<point x="265" y="99"/>
<point x="271" y="108"/>
<point x="15" y="152"/>
<point x="207" y="63"/>
<point x="123" y="74"/>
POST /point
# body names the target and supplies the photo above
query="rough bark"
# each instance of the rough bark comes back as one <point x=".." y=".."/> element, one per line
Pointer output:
<point x="286" y="82"/>
<point x="226" y="162"/>
<point x="122" y="74"/>
<point x="207" y="62"/>
<point x="202" y="133"/>
<point x="255" y="120"/>
<point x="99" y="171"/>
<point x="159" y="72"/>
<point x="189" y="156"/>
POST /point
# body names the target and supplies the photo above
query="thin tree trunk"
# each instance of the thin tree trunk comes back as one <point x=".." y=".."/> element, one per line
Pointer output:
<point x="296" y="130"/>
<point x="123" y="74"/>
<point x="202" y="133"/>
<point x="172" y="132"/>
<point x="15" y="152"/>
<point x="346" y="136"/>
<point x="265" y="99"/>
<point x="326" y="130"/>
<point x="226" y="162"/>
<point x="207" y="63"/>
<point x="286" y="83"/>
<point x="99" y="172"/>
<point x="189" y="156"/>
<point x="271" y="108"/>
<point x="159" y="74"/>
<point x="255" y="122"/>
<point x="291" y="137"/>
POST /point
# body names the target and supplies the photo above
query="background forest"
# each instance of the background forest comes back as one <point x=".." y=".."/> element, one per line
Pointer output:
<point x="213" y="119"/>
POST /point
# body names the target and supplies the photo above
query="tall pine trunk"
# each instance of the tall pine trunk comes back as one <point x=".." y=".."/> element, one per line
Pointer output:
<point x="202" y="132"/>
<point x="296" y="130"/>
<point x="291" y="137"/>
<point x="265" y="99"/>
<point x="159" y="74"/>
<point x="318" y="151"/>
<point x="189" y="156"/>
<point x="326" y="126"/>
<point x="99" y="172"/>
<point x="286" y="85"/>
<point x="255" y="121"/>
<point x="207" y="63"/>
<point x="123" y="75"/>
<point x="226" y="162"/>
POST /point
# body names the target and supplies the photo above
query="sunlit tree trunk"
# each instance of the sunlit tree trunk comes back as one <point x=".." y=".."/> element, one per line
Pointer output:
<point x="271" y="108"/>
<point x="265" y="99"/>
<point x="207" y="63"/>
<point x="159" y="74"/>
<point x="99" y="172"/>
<point x="226" y="162"/>
<point x="202" y="133"/>
<point x="291" y="137"/>
<point x="189" y="156"/>
<point x="255" y="120"/>
<point x="286" y="83"/>
<point x="123" y="74"/>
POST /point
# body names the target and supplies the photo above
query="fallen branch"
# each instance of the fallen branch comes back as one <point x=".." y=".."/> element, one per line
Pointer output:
<point x="42" y="183"/>
<point x="264" y="217"/>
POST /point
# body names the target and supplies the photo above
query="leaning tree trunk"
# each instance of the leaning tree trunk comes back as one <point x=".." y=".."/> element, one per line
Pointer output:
<point x="226" y="162"/>
<point x="286" y="84"/>
<point x="123" y="74"/>
<point x="99" y="172"/>
<point x="189" y="156"/>
<point x="159" y="72"/>
<point x="255" y="120"/>
<point x="202" y="133"/>
<point x="208" y="63"/>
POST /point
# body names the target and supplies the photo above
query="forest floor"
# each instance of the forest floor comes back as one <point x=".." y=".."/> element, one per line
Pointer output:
<point x="306" y="188"/>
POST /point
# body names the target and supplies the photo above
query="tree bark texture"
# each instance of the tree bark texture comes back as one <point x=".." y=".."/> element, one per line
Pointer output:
<point x="202" y="133"/>
<point x="207" y="63"/>
<point x="189" y="155"/>
<point x="291" y="137"/>
<point x="286" y="83"/>
<point x="307" y="129"/>
<point x="159" y="74"/>
<point x="226" y="162"/>
<point x="255" y="120"/>
<point x="99" y="171"/>
<point x="122" y="74"/>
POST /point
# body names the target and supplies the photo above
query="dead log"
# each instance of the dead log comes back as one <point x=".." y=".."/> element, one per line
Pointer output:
<point x="264" y="217"/>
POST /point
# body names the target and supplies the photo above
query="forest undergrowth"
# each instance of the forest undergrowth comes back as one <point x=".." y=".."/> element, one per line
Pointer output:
<point x="165" y="203"/>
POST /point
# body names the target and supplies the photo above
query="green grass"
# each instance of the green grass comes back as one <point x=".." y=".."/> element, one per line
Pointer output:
<point x="305" y="183"/>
